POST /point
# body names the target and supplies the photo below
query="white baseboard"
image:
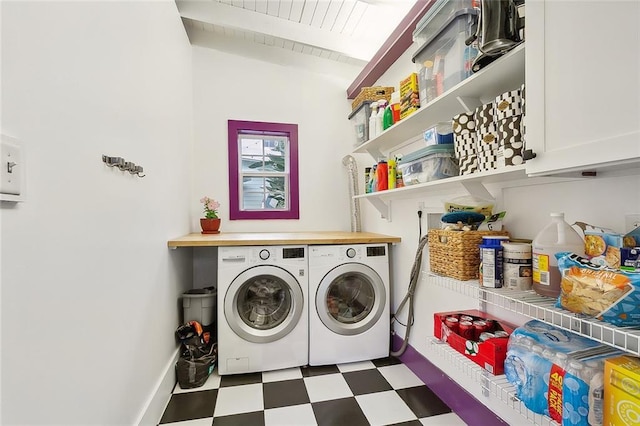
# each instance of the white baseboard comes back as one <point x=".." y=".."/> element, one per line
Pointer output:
<point x="157" y="402"/>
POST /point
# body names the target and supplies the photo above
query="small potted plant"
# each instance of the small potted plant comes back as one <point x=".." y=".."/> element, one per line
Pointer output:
<point x="210" y="223"/>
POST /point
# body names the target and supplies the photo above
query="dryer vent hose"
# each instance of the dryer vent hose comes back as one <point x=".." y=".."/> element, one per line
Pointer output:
<point x="352" y="168"/>
<point x="408" y="298"/>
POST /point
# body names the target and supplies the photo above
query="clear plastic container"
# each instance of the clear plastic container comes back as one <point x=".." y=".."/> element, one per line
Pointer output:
<point x="438" y="14"/>
<point x="445" y="60"/>
<point x="360" y="120"/>
<point x="427" y="164"/>
<point x="557" y="236"/>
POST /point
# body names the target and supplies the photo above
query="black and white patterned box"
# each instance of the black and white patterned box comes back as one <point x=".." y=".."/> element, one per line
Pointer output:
<point x="468" y="165"/>
<point x="510" y="129"/>
<point x="464" y="124"/>
<point x="513" y="153"/>
<point x="484" y="117"/>
<point x="490" y="160"/>
<point x="464" y="145"/>
<point x="488" y="139"/>
<point x="508" y="104"/>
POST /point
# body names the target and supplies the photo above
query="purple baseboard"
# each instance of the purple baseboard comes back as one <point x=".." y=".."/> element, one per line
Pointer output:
<point x="472" y="411"/>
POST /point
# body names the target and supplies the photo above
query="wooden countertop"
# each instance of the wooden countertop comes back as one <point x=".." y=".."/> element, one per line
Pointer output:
<point x="279" y="238"/>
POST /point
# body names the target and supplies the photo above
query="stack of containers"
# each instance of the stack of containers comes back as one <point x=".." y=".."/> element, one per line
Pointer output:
<point x="508" y="114"/>
<point x="464" y="142"/>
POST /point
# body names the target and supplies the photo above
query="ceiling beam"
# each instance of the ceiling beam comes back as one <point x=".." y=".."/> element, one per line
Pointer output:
<point x="216" y="13"/>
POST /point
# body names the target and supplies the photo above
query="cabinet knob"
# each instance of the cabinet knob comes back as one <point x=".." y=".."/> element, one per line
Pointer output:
<point x="528" y="154"/>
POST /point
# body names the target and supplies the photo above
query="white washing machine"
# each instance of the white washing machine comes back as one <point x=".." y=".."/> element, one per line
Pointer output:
<point x="349" y="313"/>
<point x="263" y="320"/>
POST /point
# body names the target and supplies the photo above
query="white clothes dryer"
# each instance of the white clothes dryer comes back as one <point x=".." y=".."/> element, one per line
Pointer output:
<point x="263" y="320"/>
<point x="349" y="314"/>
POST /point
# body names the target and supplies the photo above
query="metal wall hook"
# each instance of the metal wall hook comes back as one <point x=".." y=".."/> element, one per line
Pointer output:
<point x="125" y="166"/>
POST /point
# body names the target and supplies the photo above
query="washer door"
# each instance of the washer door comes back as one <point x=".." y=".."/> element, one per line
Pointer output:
<point x="350" y="299"/>
<point x="263" y="304"/>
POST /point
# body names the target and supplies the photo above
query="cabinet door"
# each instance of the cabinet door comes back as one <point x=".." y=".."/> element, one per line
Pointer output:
<point x="583" y="84"/>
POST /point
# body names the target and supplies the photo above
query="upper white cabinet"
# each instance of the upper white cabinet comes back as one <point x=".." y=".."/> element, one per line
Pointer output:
<point x="583" y="85"/>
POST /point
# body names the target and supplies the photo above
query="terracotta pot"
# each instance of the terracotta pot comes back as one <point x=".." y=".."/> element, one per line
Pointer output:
<point x="210" y="226"/>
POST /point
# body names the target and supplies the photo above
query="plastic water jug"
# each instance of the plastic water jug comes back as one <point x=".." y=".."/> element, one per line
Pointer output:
<point x="557" y="236"/>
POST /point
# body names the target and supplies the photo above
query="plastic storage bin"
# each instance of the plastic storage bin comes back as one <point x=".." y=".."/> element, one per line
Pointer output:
<point x="439" y="14"/>
<point x="427" y="164"/>
<point x="200" y="305"/>
<point x="444" y="60"/>
<point x="360" y="120"/>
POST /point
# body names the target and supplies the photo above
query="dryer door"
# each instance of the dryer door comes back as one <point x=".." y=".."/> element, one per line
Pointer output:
<point x="263" y="304"/>
<point x="350" y="299"/>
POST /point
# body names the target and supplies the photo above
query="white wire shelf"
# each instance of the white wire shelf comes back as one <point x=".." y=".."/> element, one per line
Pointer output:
<point x="491" y="386"/>
<point x="533" y="305"/>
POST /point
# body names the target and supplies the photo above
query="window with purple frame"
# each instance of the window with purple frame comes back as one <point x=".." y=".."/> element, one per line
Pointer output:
<point x="263" y="170"/>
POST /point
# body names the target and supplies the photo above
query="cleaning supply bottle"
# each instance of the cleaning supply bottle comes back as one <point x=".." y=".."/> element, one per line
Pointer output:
<point x="372" y="120"/>
<point x="380" y="116"/>
<point x="373" y="180"/>
<point x="382" y="180"/>
<point x="399" y="179"/>
<point x="391" y="165"/>
<point x="395" y="107"/>
<point x="387" y="118"/>
<point x="556" y="237"/>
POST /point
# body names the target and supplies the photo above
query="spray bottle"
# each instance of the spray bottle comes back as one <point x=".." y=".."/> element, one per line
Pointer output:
<point x="372" y="120"/>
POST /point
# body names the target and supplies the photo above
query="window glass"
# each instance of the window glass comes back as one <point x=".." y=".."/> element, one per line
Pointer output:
<point x="263" y="170"/>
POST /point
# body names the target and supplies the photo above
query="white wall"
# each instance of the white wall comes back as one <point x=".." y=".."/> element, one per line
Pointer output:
<point x="598" y="201"/>
<point x="89" y="288"/>
<point x="253" y="87"/>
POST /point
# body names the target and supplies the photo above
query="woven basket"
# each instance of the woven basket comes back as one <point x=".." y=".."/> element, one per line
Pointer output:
<point x="372" y="94"/>
<point x="456" y="254"/>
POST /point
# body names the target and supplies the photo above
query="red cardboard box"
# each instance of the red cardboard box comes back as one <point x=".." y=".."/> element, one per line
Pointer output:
<point x="489" y="354"/>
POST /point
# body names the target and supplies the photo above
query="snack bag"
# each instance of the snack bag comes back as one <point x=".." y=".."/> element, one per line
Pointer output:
<point x="598" y="291"/>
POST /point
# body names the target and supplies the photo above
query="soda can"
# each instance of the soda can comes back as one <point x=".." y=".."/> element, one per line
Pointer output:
<point x="500" y="333"/>
<point x="466" y="330"/>
<point x="453" y="324"/>
<point x="491" y="324"/>
<point x="479" y="327"/>
<point x="466" y="318"/>
<point x="486" y="336"/>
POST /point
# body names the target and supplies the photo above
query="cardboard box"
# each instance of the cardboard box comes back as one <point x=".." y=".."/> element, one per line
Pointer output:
<point x="409" y="96"/>
<point x="489" y="354"/>
<point x="621" y="391"/>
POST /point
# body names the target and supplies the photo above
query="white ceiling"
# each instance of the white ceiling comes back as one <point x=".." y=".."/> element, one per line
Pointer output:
<point x="346" y="31"/>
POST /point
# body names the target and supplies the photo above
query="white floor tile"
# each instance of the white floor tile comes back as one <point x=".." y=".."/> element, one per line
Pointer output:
<point x="213" y="382"/>
<point x="383" y="408"/>
<point x="296" y="415"/>
<point x="449" y="419"/>
<point x="207" y="421"/>
<point x="279" y="375"/>
<point x="355" y="366"/>
<point x="327" y="387"/>
<point x="239" y="399"/>
<point x="400" y="376"/>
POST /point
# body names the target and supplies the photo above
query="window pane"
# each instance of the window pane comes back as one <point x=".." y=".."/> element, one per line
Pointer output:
<point x="253" y="163"/>
<point x="251" y="146"/>
<point x="276" y="193"/>
<point x="253" y="193"/>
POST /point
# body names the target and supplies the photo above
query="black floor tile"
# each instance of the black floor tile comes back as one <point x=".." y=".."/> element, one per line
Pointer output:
<point x="383" y="362"/>
<point x="284" y="393"/>
<point x="366" y="381"/>
<point x="190" y="406"/>
<point x="345" y="411"/>
<point x="423" y="402"/>
<point x="309" y="371"/>
<point x="245" y="419"/>
<point x="410" y="423"/>
<point x="240" y="379"/>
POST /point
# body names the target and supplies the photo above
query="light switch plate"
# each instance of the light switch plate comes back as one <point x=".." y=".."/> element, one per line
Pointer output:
<point x="11" y="169"/>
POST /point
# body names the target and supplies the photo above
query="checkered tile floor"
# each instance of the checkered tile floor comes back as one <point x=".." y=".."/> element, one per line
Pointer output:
<point x="379" y="392"/>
